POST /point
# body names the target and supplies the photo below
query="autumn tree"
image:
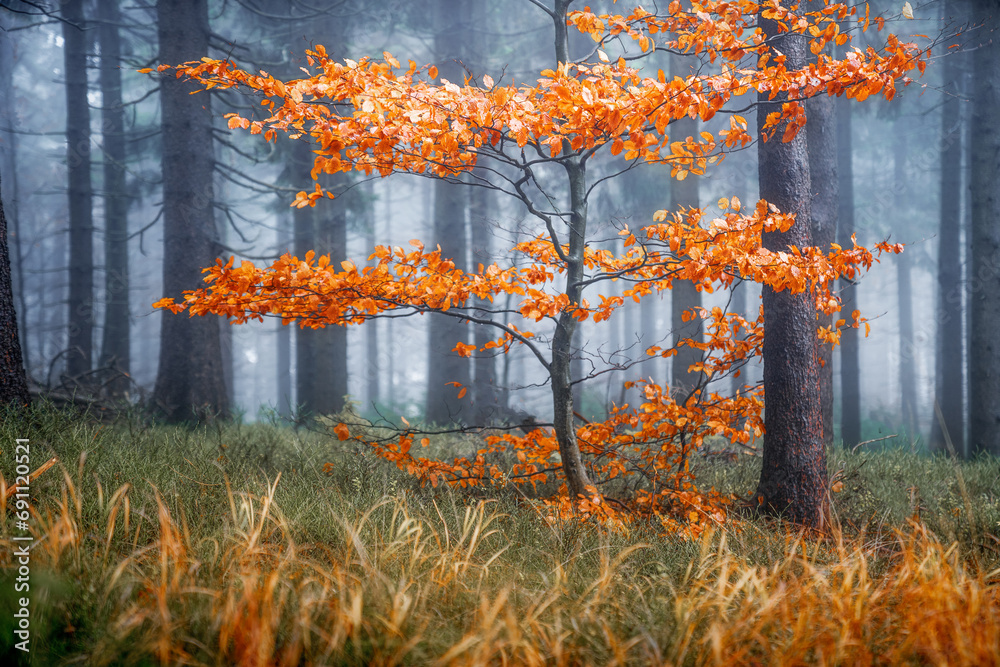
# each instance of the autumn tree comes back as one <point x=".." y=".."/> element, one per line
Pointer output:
<point x="537" y="142"/>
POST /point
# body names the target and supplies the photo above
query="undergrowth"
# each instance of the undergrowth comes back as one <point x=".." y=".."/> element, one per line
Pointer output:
<point x="235" y="544"/>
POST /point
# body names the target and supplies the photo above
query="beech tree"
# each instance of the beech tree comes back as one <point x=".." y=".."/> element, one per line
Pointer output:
<point x="535" y="142"/>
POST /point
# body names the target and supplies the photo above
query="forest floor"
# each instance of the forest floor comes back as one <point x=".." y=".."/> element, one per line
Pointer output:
<point x="238" y="544"/>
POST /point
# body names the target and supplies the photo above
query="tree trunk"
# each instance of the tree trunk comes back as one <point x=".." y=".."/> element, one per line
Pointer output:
<point x="320" y="354"/>
<point x="485" y="395"/>
<point x="793" y="479"/>
<point x="683" y="295"/>
<point x="907" y="377"/>
<point x="8" y="167"/>
<point x="948" y="368"/>
<point x="850" y="374"/>
<point x="560" y="366"/>
<point x="115" y="347"/>
<point x="373" y="369"/>
<point x="821" y="137"/>
<point x="450" y="201"/>
<point x="13" y="381"/>
<point x="562" y="340"/>
<point x="984" y="295"/>
<point x="81" y="224"/>
<point x="189" y="382"/>
<point x="738" y="305"/>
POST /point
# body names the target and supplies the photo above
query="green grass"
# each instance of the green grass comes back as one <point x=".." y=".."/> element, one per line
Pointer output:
<point x="213" y="511"/>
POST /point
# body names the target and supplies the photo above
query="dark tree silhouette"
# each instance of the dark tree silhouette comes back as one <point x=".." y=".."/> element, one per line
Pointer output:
<point x="189" y="381"/>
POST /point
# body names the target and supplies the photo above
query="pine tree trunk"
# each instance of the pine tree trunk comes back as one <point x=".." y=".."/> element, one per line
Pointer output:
<point x="373" y="369"/>
<point x="984" y="296"/>
<point x="450" y="203"/>
<point x="793" y="479"/>
<point x="8" y="167"/>
<point x="485" y="395"/>
<point x="189" y="382"/>
<point x="115" y="347"/>
<point x="13" y="381"/>
<point x="320" y="354"/>
<point x="948" y="368"/>
<point x="81" y="224"/>
<point x="907" y="359"/>
<point x="683" y="295"/>
<point x="850" y="374"/>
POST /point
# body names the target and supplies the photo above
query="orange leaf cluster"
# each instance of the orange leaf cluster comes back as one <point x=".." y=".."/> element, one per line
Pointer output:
<point x="373" y="116"/>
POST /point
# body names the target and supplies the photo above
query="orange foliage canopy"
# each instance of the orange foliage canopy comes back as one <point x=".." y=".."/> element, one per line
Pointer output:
<point x="373" y="116"/>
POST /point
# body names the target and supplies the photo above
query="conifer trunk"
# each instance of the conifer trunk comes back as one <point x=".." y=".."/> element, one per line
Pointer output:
<point x="793" y="479"/>
<point x="984" y="296"/>
<point x="115" y="346"/>
<point x="189" y="381"/>
<point x="80" y="320"/>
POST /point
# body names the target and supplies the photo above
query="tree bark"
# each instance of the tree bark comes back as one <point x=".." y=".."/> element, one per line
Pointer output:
<point x="948" y="394"/>
<point x="821" y="137"/>
<point x="450" y="202"/>
<point x="320" y="354"/>
<point x="984" y="294"/>
<point x="683" y="295"/>
<point x="115" y="347"/>
<point x="13" y="380"/>
<point x="907" y="376"/>
<point x="8" y="167"/>
<point x="484" y="365"/>
<point x="850" y="376"/>
<point x="189" y="382"/>
<point x="373" y="369"/>
<point x="560" y="366"/>
<point x="793" y="479"/>
<point x="283" y="341"/>
<point x="81" y="224"/>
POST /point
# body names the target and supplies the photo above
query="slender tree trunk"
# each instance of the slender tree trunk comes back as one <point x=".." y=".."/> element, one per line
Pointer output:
<point x="984" y="293"/>
<point x="189" y="382"/>
<point x="821" y="137"/>
<point x="907" y="376"/>
<point x="948" y="396"/>
<point x="115" y="348"/>
<point x="738" y="305"/>
<point x="560" y="366"/>
<point x="793" y="479"/>
<point x="850" y="374"/>
<point x="13" y="381"/>
<point x="81" y="224"/>
<point x="450" y="202"/>
<point x="683" y="295"/>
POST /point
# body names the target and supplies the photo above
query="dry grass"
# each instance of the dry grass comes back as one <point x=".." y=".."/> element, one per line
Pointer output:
<point x="209" y="571"/>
